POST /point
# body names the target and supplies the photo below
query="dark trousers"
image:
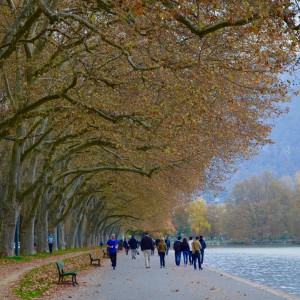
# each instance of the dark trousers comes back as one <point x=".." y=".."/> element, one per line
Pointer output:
<point x="162" y="258"/>
<point x="191" y="257"/>
<point x="196" y="258"/>
<point x="202" y="255"/>
<point x="177" y="257"/>
<point x="50" y="247"/>
<point x="113" y="259"/>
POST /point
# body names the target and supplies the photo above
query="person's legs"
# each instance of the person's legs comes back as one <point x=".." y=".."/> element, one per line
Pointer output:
<point x="199" y="262"/>
<point x="163" y="259"/>
<point x="147" y="254"/>
<point x="133" y="253"/>
<point x="185" y="257"/>
<point x="191" y="257"/>
<point x="148" y="257"/>
<point x="202" y="256"/>
<point x="113" y="259"/>
<point x="176" y="258"/>
<point x="50" y="248"/>
<point x="194" y="260"/>
<point x="145" y="257"/>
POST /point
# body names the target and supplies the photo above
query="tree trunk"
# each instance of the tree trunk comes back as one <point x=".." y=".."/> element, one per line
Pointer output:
<point x="10" y="207"/>
<point x="27" y="237"/>
<point x="80" y="234"/>
<point x="10" y="215"/>
<point x="61" y="232"/>
<point x="72" y="234"/>
<point x="42" y="228"/>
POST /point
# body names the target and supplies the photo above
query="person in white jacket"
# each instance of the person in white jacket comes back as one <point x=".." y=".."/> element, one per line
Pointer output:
<point x="190" y="241"/>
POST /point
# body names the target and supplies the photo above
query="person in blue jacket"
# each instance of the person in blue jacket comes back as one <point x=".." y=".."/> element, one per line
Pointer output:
<point x="112" y="247"/>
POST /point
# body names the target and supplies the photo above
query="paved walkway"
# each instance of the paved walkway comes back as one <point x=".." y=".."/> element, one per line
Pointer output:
<point x="131" y="280"/>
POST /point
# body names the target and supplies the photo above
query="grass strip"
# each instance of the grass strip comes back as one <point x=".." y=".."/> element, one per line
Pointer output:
<point x="44" y="278"/>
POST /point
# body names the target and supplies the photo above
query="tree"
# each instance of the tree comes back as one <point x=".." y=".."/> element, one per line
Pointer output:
<point x="260" y="202"/>
<point x="180" y="90"/>
<point x="215" y="216"/>
<point x="198" y="217"/>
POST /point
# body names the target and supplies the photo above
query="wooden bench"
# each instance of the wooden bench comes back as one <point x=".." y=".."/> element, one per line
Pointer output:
<point x="92" y="259"/>
<point x="105" y="253"/>
<point x="62" y="273"/>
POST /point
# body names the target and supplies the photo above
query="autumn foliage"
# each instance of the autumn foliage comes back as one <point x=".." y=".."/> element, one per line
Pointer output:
<point x="112" y="112"/>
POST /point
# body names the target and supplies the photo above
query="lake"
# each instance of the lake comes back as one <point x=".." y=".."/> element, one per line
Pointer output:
<point x="277" y="267"/>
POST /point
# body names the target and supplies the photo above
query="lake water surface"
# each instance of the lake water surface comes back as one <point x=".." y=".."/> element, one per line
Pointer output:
<point x="277" y="267"/>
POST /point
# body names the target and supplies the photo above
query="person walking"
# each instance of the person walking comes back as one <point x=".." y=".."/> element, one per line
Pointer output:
<point x="185" y="251"/>
<point x="101" y="243"/>
<point x="162" y="248"/>
<point x="50" y="242"/>
<point x="152" y="250"/>
<point x="196" y="253"/>
<point x="112" y="247"/>
<point x="133" y="244"/>
<point x="147" y="246"/>
<point x="190" y="241"/>
<point x="157" y="240"/>
<point x="203" y="246"/>
<point x="126" y="246"/>
<point x="177" y="249"/>
<point x="167" y="241"/>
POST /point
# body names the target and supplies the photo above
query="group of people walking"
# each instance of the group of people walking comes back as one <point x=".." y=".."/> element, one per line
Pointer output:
<point x="192" y="250"/>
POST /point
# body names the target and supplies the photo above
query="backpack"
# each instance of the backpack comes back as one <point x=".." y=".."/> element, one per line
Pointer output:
<point x="176" y="245"/>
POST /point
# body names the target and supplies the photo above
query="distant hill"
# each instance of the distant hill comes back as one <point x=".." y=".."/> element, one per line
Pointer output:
<point x="281" y="158"/>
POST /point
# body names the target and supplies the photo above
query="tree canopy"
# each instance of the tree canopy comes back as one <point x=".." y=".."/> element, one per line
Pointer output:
<point x="113" y="110"/>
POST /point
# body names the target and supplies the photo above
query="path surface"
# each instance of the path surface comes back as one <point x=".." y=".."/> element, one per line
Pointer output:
<point x="131" y="280"/>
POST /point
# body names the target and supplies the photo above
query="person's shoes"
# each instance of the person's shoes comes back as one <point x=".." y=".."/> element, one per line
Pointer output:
<point x="160" y="266"/>
<point x="201" y="268"/>
<point x="114" y="268"/>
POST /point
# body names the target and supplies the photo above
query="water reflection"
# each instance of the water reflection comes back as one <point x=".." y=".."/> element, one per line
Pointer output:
<point x="277" y="267"/>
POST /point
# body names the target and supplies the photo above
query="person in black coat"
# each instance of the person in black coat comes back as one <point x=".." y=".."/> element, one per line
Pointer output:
<point x="133" y="246"/>
<point x="147" y="246"/>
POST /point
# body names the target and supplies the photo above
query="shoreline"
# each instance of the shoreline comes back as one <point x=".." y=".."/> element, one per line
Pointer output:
<point x="275" y="291"/>
<point x="236" y="244"/>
